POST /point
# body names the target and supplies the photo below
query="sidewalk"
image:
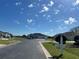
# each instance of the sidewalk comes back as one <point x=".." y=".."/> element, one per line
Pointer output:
<point x="2" y="45"/>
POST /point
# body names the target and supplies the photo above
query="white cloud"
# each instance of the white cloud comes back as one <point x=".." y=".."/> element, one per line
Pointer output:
<point x="18" y="3"/>
<point x="29" y="20"/>
<point x="66" y="21"/>
<point x="70" y="20"/>
<point x="22" y="11"/>
<point x="57" y="11"/>
<point x="48" y="17"/>
<point x="51" y="3"/>
<point x="31" y="5"/>
<point x="41" y="11"/>
<point x="45" y="9"/>
<point x="76" y="3"/>
<point x="39" y="0"/>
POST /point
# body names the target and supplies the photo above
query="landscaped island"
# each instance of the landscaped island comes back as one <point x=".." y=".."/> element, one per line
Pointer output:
<point x="69" y="53"/>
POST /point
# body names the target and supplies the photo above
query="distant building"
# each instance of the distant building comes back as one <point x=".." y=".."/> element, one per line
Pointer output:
<point x="72" y="33"/>
<point x="5" y="35"/>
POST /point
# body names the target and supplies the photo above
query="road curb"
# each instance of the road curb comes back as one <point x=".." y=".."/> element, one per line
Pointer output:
<point x="47" y="54"/>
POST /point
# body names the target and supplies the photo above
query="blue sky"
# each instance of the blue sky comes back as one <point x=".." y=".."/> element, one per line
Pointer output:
<point x="44" y="16"/>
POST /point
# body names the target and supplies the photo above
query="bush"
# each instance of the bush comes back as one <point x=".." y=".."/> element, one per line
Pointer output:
<point x="76" y="39"/>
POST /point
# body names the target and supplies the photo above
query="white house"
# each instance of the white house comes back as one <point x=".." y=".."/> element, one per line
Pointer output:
<point x="5" y="35"/>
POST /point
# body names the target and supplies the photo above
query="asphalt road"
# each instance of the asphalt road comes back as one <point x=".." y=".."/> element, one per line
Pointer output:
<point x="28" y="49"/>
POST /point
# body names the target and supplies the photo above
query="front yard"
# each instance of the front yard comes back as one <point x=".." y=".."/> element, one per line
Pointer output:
<point x="69" y="53"/>
<point x="6" y="41"/>
<point x="11" y="40"/>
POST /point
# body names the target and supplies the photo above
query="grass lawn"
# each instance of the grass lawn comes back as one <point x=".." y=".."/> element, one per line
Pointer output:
<point x="69" y="53"/>
<point x="73" y="51"/>
<point x="6" y="41"/>
<point x="18" y="38"/>
<point x="12" y="40"/>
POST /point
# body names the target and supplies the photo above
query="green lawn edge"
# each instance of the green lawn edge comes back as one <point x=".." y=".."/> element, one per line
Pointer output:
<point x="11" y="40"/>
<point x="55" y="52"/>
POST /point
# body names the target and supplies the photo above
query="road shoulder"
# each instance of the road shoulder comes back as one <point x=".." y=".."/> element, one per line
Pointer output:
<point x="6" y="45"/>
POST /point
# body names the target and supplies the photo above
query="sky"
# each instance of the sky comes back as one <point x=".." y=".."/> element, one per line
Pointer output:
<point x="38" y="16"/>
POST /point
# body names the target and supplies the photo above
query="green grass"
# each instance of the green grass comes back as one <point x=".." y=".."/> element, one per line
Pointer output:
<point x="11" y="40"/>
<point x="69" y="53"/>
<point x="18" y="38"/>
<point x="52" y="49"/>
<point x="5" y="41"/>
<point x="50" y="39"/>
<point x="73" y="51"/>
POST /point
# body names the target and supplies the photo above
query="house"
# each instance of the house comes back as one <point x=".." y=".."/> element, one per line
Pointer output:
<point x="5" y="35"/>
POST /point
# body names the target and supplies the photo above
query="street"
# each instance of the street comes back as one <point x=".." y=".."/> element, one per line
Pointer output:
<point x="28" y="49"/>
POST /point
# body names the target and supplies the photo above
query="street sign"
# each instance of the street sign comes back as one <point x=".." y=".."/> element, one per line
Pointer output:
<point x="61" y="39"/>
<point x="61" y="45"/>
<point x="58" y="39"/>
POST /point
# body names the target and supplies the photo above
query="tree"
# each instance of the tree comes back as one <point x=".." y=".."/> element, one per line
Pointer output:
<point x="11" y="35"/>
<point x="76" y="39"/>
<point x="24" y="36"/>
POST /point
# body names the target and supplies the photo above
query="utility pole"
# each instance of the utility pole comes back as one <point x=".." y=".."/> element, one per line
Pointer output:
<point x="61" y="45"/>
